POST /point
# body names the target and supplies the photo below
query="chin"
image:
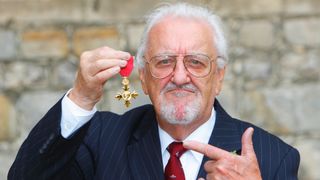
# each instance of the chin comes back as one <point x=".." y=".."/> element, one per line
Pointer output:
<point x="180" y="113"/>
<point x="179" y="104"/>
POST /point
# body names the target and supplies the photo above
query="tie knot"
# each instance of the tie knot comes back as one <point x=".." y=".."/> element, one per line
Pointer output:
<point x="176" y="149"/>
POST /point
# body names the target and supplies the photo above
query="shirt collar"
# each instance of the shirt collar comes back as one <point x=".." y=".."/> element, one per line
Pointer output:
<point x="201" y="134"/>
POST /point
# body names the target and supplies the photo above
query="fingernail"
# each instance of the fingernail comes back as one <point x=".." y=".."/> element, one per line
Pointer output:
<point x="116" y="69"/>
<point x="126" y="56"/>
<point x="186" y="143"/>
<point x="123" y="55"/>
<point x="123" y="63"/>
<point x="251" y="129"/>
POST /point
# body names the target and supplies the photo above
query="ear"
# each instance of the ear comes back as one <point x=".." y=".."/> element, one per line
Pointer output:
<point x="143" y="80"/>
<point x="220" y="77"/>
<point x="221" y="73"/>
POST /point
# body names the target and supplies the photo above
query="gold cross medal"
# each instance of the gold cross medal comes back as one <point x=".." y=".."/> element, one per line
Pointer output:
<point x="126" y="95"/>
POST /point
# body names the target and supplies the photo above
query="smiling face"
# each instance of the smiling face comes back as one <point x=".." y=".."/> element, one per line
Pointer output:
<point x="181" y="98"/>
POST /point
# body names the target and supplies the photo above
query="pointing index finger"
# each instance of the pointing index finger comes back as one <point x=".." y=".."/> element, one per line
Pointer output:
<point x="210" y="151"/>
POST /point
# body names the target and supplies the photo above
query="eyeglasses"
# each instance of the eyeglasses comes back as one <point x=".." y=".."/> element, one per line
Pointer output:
<point x="198" y="65"/>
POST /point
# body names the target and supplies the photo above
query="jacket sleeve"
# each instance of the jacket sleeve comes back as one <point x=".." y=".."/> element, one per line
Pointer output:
<point x="289" y="166"/>
<point x="45" y="154"/>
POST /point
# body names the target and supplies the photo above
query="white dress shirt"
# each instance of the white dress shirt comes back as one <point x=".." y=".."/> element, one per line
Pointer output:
<point x="190" y="160"/>
<point x="73" y="117"/>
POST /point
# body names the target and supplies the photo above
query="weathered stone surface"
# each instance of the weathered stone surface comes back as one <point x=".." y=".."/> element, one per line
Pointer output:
<point x="8" y="44"/>
<point x="300" y="67"/>
<point x="64" y="74"/>
<point x="1" y="77"/>
<point x="231" y="28"/>
<point x="89" y="38"/>
<point x="308" y="105"/>
<point x="49" y="42"/>
<point x="114" y="10"/>
<point x="246" y="7"/>
<point x="32" y="106"/>
<point x="272" y="79"/>
<point x="228" y="98"/>
<point x="303" y="31"/>
<point x="281" y="105"/>
<point x="305" y="7"/>
<point x="257" y="34"/>
<point x="257" y="69"/>
<point x="252" y="108"/>
<point x="6" y="158"/>
<point x="134" y="36"/>
<point x="19" y="75"/>
<point x="309" y="149"/>
<point x="295" y="108"/>
<point x="43" y="10"/>
<point x="7" y="118"/>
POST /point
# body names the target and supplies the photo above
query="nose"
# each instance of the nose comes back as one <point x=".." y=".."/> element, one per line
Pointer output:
<point x="180" y="74"/>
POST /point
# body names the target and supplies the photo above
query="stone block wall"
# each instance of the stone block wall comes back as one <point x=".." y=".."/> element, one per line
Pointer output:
<point x="272" y="80"/>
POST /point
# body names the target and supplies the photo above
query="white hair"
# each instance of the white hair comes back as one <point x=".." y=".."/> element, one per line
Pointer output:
<point x="185" y="10"/>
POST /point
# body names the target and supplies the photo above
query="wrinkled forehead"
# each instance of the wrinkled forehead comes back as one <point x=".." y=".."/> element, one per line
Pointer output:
<point x="174" y="34"/>
<point x="183" y="23"/>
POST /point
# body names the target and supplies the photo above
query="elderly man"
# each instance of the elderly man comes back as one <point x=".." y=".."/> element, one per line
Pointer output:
<point x="184" y="134"/>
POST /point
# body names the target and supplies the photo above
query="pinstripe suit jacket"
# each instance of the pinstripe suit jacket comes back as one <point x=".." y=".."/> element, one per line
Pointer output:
<point x="127" y="146"/>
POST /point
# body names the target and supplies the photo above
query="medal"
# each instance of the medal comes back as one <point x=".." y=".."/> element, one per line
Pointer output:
<point x="126" y="95"/>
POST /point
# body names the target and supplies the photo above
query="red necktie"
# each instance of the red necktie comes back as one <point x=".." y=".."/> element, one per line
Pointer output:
<point x="173" y="170"/>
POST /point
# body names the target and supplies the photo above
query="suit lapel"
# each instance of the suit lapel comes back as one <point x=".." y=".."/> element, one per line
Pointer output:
<point x="225" y="135"/>
<point x="144" y="151"/>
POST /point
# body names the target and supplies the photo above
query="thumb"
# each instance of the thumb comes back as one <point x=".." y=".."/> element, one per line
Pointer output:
<point x="201" y="179"/>
<point x="247" y="145"/>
